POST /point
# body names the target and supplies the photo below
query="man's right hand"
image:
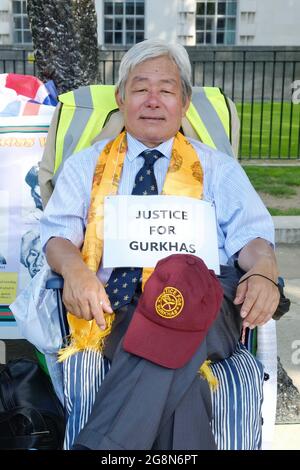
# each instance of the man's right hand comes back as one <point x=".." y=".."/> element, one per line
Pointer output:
<point x="84" y="296"/>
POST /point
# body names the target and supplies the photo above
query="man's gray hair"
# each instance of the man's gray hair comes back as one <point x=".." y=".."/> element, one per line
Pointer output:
<point x="151" y="49"/>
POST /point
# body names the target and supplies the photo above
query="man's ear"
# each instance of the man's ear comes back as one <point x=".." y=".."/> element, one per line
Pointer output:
<point x="119" y="100"/>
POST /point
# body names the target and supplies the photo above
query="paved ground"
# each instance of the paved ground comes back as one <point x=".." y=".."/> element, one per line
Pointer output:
<point x="288" y="327"/>
<point x="287" y="437"/>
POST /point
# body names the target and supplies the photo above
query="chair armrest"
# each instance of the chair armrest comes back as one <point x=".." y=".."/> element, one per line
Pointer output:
<point x="56" y="281"/>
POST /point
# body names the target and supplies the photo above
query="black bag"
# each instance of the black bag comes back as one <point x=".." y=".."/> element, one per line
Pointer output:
<point x="31" y="415"/>
<point x="284" y="302"/>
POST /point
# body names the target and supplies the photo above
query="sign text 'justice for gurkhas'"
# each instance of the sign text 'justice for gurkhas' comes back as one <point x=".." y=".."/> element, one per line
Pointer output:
<point x="141" y="230"/>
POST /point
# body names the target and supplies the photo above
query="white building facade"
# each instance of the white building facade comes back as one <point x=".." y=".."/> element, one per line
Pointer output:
<point x="190" y="22"/>
<point x="14" y="25"/>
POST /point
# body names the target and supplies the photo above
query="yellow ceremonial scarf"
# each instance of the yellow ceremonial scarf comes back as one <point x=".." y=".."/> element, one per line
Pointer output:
<point x="184" y="178"/>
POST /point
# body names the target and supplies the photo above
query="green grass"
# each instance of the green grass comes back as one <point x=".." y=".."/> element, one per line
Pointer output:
<point x="274" y="211"/>
<point x="280" y="182"/>
<point x="262" y="116"/>
<point x="277" y="181"/>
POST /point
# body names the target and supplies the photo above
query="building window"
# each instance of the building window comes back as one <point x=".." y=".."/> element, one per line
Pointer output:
<point x="22" y="33"/>
<point x="124" y="22"/>
<point x="248" y="17"/>
<point x="216" y="22"/>
<point x="246" y="40"/>
<point x="4" y="39"/>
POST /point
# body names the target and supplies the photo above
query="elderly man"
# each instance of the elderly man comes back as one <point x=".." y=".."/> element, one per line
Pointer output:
<point x="153" y="93"/>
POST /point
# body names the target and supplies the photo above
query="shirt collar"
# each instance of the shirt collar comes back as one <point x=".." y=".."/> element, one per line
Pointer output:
<point x="135" y="147"/>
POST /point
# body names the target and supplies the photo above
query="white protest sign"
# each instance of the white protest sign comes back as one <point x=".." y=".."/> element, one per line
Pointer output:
<point x="141" y="230"/>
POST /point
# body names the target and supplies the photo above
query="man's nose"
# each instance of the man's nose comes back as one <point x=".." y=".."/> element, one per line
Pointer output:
<point x="152" y="100"/>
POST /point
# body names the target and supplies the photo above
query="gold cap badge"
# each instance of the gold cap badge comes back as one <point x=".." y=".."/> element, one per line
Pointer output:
<point x="170" y="303"/>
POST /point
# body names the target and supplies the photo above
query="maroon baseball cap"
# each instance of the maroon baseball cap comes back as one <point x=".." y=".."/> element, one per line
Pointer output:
<point x="181" y="300"/>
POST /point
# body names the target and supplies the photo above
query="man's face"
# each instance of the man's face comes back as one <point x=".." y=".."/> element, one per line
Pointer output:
<point x="35" y="258"/>
<point x="153" y="106"/>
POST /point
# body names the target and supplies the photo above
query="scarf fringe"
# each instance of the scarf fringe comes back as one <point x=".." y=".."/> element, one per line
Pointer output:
<point x="207" y="374"/>
<point x="94" y="339"/>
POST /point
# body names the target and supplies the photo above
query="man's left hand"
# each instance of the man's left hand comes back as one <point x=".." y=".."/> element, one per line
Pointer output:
<point x="258" y="296"/>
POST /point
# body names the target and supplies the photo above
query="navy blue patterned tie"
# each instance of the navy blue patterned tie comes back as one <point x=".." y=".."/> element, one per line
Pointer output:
<point x="123" y="282"/>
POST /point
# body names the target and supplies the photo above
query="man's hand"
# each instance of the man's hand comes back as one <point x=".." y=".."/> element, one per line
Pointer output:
<point x="84" y="296"/>
<point x="258" y="296"/>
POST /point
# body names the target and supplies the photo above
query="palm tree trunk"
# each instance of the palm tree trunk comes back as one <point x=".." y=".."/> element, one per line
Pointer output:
<point x="64" y="34"/>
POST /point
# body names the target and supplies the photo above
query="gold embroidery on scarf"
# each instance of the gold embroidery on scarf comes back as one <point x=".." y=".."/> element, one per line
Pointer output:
<point x="116" y="178"/>
<point x="176" y="161"/>
<point x="108" y="147"/>
<point x="197" y="171"/>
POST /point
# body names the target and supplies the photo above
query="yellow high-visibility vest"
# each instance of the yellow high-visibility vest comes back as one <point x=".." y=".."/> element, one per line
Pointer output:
<point x="84" y="112"/>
